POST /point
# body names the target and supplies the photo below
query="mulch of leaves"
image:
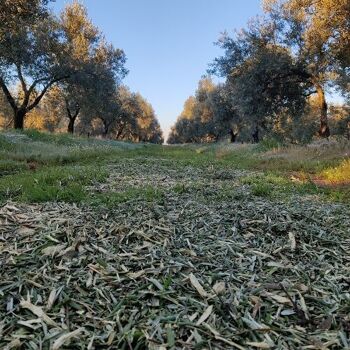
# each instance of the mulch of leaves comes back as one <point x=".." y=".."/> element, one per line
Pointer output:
<point x="184" y="274"/>
<point x="161" y="174"/>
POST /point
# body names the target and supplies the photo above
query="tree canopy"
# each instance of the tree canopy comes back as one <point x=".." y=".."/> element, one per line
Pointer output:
<point x="62" y="71"/>
<point x="276" y="70"/>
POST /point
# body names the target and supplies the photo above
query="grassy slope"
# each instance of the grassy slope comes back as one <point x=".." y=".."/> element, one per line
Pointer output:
<point x="37" y="167"/>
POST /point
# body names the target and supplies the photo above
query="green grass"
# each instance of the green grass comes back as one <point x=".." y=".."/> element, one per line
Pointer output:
<point x="262" y="189"/>
<point x="112" y="199"/>
<point x="10" y="166"/>
<point x="274" y="185"/>
<point x="277" y="186"/>
<point x="56" y="149"/>
<point x="339" y="173"/>
<point x="50" y="184"/>
<point x="63" y="165"/>
<point x="59" y="139"/>
<point x="5" y="145"/>
<point x="242" y="157"/>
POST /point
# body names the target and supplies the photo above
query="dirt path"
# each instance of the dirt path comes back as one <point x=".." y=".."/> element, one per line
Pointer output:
<point x="203" y="266"/>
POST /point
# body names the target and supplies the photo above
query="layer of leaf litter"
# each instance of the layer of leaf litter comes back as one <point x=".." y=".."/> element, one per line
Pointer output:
<point x="191" y="270"/>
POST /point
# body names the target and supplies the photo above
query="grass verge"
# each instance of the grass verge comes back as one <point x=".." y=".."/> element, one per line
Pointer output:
<point x="50" y="184"/>
<point x="39" y="167"/>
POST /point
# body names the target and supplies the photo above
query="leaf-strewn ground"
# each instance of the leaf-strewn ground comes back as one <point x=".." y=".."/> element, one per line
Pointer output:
<point x="171" y="248"/>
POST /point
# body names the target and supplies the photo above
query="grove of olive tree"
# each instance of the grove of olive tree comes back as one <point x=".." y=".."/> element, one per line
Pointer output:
<point x="277" y="72"/>
<point x="58" y="71"/>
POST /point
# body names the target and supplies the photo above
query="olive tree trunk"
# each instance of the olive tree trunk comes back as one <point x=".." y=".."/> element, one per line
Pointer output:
<point x="18" y="118"/>
<point x="324" y="127"/>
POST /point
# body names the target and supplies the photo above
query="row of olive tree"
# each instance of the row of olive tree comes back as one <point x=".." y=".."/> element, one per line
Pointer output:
<point x="207" y="116"/>
<point x="210" y="116"/>
<point x="56" y="68"/>
<point x="280" y="68"/>
<point x="130" y="118"/>
<point x="127" y="117"/>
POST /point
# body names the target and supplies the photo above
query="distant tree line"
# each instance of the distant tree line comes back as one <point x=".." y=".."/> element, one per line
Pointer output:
<point x="60" y="74"/>
<point x="276" y="73"/>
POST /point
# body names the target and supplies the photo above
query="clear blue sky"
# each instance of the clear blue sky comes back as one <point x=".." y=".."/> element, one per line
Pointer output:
<point x="168" y="43"/>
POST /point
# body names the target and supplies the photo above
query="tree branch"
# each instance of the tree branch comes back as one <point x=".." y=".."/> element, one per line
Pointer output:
<point x="310" y="93"/>
<point x="77" y="111"/>
<point x="67" y="108"/>
<point x="43" y="92"/>
<point x="69" y="112"/>
<point x="35" y="83"/>
<point x="21" y="78"/>
<point x="8" y="95"/>
<point x="24" y="88"/>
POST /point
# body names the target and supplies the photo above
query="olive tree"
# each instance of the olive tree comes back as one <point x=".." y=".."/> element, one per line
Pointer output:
<point x="31" y="55"/>
<point x="93" y="60"/>
<point x="292" y="53"/>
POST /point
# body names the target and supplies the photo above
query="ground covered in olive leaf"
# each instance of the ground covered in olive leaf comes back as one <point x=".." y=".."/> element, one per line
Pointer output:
<point x="174" y="256"/>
